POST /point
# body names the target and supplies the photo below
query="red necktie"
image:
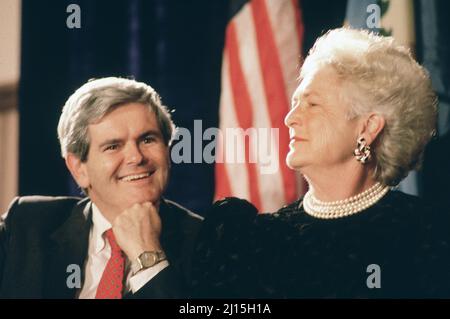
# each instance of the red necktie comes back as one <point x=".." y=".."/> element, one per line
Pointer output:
<point x="111" y="283"/>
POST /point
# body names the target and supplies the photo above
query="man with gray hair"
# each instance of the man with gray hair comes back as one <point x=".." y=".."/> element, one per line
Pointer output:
<point x="124" y="239"/>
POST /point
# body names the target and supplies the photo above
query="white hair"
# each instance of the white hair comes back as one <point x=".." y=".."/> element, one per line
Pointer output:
<point x="381" y="76"/>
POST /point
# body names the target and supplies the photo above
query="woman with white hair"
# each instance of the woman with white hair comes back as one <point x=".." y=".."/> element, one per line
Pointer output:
<point x="360" y="119"/>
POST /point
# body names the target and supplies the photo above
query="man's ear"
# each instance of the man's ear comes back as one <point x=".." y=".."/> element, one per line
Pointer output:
<point x="372" y="127"/>
<point x="78" y="170"/>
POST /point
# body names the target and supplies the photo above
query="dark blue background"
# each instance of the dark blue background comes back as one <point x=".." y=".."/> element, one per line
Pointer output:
<point x="175" y="46"/>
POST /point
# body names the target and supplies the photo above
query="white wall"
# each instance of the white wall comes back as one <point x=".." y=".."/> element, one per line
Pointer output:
<point x="10" y="17"/>
<point x="10" y="40"/>
<point x="8" y="157"/>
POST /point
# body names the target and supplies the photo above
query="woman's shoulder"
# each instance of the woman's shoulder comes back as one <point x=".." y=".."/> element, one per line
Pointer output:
<point x="223" y="250"/>
<point x="428" y="224"/>
<point x="233" y="209"/>
<point x="230" y="212"/>
<point x="289" y="209"/>
<point x="401" y="201"/>
<point x="405" y="209"/>
<point x="227" y="221"/>
<point x="413" y="209"/>
<point x="237" y="226"/>
<point x="232" y="249"/>
<point x="232" y="206"/>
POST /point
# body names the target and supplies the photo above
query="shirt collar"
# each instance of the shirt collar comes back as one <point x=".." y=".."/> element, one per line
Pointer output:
<point x="101" y="224"/>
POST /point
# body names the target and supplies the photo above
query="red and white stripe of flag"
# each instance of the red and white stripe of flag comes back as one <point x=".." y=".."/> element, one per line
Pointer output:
<point x="261" y="60"/>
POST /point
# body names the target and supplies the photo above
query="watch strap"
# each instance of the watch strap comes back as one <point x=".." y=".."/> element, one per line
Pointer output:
<point x="139" y="264"/>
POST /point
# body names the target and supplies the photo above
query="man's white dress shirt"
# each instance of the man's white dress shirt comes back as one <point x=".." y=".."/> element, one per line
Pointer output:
<point x="99" y="252"/>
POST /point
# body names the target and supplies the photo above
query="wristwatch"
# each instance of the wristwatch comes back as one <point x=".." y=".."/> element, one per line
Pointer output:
<point x="146" y="260"/>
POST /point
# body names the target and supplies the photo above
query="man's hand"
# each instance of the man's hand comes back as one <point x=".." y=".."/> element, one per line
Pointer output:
<point x="138" y="229"/>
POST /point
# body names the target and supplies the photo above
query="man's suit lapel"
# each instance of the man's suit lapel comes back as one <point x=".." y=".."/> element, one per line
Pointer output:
<point x="170" y="236"/>
<point x="69" y="246"/>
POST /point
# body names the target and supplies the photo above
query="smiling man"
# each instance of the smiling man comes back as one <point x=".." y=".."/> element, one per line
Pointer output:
<point x="124" y="239"/>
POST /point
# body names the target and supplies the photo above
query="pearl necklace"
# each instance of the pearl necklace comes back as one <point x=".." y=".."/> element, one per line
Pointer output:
<point x="345" y="207"/>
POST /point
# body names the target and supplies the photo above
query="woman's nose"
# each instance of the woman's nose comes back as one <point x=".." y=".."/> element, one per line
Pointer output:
<point x="292" y="117"/>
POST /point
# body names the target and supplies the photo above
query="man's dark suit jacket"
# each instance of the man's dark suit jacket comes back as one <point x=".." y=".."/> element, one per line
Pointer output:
<point x="42" y="236"/>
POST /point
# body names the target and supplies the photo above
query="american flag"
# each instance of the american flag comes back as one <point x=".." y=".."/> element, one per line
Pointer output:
<point x="260" y="66"/>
